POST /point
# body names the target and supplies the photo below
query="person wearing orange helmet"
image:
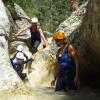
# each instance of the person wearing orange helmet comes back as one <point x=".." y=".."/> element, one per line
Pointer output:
<point x="66" y="74"/>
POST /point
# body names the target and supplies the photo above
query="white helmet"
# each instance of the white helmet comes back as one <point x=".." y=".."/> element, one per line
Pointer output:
<point x="34" y="20"/>
<point x="20" y="55"/>
<point x="19" y="48"/>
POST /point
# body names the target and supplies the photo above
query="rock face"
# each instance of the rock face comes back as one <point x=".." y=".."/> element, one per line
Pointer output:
<point x="8" y="77"/>
<point x="90" y="30"/>
<point x="17" y="25"/>
<point x="89" y="37"/>
<point x="22" y="22"/>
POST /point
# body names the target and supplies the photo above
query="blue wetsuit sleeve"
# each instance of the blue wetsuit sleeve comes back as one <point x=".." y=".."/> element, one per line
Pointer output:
<point x="16" y="63"/>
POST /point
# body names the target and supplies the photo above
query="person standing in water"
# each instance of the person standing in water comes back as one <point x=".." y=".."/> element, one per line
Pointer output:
<point x="66" y="74"/>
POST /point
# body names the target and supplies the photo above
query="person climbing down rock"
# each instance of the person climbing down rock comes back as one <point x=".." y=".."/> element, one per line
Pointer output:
<point x="18" y="61"/>
<point x="73" y="5"/>
<point x="66" y="74"/>
<point x="37" y="35"/>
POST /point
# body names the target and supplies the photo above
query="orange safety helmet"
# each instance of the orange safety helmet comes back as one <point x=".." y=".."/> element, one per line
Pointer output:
<point x="59" y="35"/>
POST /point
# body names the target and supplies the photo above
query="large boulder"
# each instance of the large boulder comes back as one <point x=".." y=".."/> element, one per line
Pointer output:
<point x="89" y="38"/>
<point x="8" y="77"/>
<point x="90" y="29"/>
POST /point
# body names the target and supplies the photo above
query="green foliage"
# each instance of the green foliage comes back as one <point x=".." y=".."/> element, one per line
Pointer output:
<point x="49" y="12"/>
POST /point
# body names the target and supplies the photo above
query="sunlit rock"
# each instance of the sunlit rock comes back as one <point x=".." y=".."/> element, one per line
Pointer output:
<point x="8" y="77"/>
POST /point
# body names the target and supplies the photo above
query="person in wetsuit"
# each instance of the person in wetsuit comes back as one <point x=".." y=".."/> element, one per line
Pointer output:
<point x="37" y="35"/>
<point x="18" y="61"/>
<point x="66" y="74"/>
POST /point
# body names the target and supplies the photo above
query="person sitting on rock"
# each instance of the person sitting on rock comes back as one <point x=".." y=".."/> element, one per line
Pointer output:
<point x="18" y="61"/>
<point x="66" y="74"/>
<point x="36" y="35"/>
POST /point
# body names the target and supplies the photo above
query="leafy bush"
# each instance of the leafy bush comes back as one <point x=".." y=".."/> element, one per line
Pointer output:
<point x="49" y="12"/>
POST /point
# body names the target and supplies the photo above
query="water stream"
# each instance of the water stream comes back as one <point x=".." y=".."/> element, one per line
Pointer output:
<point x="48" y="93"/>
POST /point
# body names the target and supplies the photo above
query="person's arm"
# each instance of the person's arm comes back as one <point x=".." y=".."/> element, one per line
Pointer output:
<point x="56" y="74"/>
<point x="73" y="54"/>
<point x="22" y="30"/>
<point x="28" y="60"/>
<point x="43" y="38"/>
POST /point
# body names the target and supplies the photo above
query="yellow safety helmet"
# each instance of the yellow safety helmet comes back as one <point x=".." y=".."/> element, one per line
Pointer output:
<point x="59" y="35"/>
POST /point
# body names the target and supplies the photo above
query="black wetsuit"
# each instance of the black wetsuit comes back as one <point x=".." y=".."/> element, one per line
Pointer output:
<point x="35" y="40"/>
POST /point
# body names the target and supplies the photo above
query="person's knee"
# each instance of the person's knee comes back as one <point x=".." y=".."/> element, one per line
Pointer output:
<point x="34" y="50"/>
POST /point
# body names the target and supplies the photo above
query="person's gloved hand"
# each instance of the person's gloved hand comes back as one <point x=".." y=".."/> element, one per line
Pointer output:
<point x="76" y="81"/>
<point x="44" y="45"/>
<point x="31" y="59"/>
<point x="53" y="82"/>
<point x="13" y="36"/>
